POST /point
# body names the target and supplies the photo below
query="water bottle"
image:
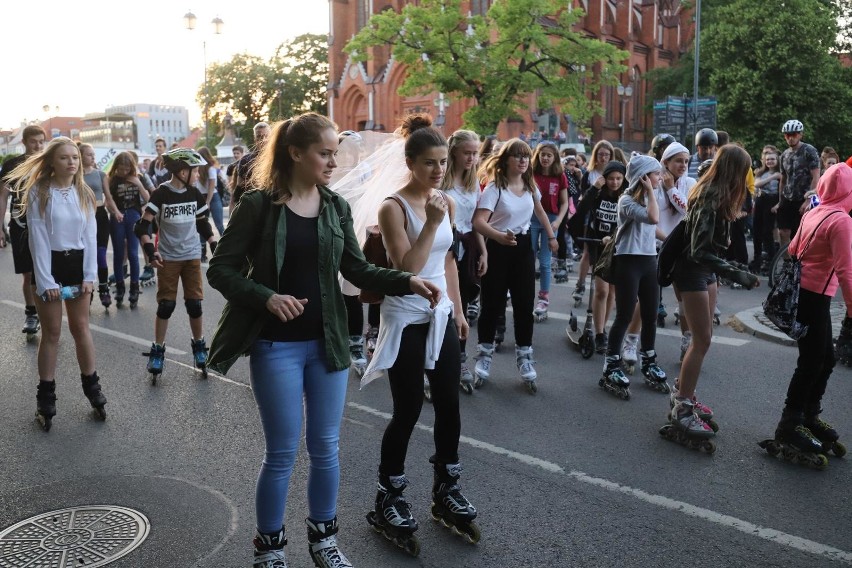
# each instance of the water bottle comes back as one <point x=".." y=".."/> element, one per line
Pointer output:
<point x="65" y="293"/>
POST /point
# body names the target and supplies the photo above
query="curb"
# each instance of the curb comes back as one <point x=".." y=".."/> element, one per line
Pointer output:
<point x="747" y="322"/>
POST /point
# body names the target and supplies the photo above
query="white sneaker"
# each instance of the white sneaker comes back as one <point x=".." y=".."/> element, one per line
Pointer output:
<point x="628" y="352"/>
<point x="483" y="361"/>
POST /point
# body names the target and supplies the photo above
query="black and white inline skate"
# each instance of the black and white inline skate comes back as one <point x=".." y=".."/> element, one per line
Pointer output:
<point x="482" y="369"/>
<point x="686" y="428"/>
<point x="794" y="443"/>
<point x="655" y="377"/>
<point x="500" y="334"/>
<point x="322" y="544"/>
<point x="614" y="381"/>
<point x="199" y="356"/>
<point x="269" y="550"/>
<point x="357" y="357"/>
<point x="466" y="378"/>
<point x="133" y="296"/>
<point x="578" y="292"/>
<point x="156" y="360"/>
<point x="392" y="514"/>
<point x="46" y="404"/>
<point x="825" y="433"/>
<point x="104" y="295"/>
<point x="472" y="311"/>
<point x="119" y="294"/>
<point x="148" y="277"/>
<point x="560" y="274"/>
<point x="449" y="506"/>
<point x="661" y="315"/>
<point x="526" y="367"/>
<point x="92" y="390"/>
<point x="31" y="323"/>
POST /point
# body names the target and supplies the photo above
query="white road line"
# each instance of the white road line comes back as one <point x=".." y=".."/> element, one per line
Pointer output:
<point x="581" y="317"/>
<point x="728" y="521"/>
<point x="105" y="331"/>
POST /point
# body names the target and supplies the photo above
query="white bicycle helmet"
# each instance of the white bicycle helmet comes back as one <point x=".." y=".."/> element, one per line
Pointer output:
<point x="792" y="127"/>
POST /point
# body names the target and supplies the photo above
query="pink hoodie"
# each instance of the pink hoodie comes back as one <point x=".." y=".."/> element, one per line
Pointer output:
<point x="831" y="247"/>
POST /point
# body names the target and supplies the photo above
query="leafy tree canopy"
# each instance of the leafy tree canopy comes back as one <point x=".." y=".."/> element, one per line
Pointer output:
<point x="520" y="47"/>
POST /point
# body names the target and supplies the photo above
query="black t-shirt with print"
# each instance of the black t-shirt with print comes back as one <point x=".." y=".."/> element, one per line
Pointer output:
<point x="796" y="167"/>
<point x="125" y="194"/>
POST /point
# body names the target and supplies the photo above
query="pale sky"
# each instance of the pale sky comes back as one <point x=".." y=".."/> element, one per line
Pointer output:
<point x="85" y="56"/>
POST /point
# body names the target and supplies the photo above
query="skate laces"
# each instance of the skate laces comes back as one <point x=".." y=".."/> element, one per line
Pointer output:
<point x="269" y="559"/>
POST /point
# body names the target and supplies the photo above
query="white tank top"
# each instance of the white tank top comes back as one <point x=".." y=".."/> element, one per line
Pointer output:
<point x="433" y="270"/>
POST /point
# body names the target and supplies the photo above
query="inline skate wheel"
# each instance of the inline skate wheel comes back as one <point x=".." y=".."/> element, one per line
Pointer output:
<point x="629" y="369"/>
<point x="204" y="373"/>
<point x="100" y="413"/>
<point x="153" y="378"/>
<point x="838" y="449"/>
<point x="707" y="446"/>
<point x="44" y="421"/>
<point x="532" y="387"/>
<point x="771" y="447"/>
<point x="713" y="425"/>
<point x="467" y="388"/>
<point x="661" y="321"/>
<point x="625" y="394"/>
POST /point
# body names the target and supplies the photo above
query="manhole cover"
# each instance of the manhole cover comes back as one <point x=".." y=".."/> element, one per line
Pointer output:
<point x="76" y="537"/>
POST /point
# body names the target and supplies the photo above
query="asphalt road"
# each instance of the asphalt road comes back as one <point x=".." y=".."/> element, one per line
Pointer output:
<point x="569" y="477"/>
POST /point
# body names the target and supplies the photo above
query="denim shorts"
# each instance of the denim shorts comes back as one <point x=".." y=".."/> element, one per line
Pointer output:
<point x="691" y="277"/>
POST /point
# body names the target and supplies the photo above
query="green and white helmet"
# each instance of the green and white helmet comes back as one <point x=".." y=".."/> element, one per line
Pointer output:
<point x="182" y="158"/>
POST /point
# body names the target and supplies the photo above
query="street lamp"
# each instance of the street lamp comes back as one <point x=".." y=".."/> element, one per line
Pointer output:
<point x="279" y="83"/>
<point x="625" y="92"/>
<point x="190" y="20"/>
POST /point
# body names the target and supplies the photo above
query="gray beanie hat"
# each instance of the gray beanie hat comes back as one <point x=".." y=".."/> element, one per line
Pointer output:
<point x="640" y="165"/>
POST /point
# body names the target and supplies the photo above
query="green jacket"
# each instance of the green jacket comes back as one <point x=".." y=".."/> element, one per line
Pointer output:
<point x="256" y="237"/>
<point x="708" y="235"/>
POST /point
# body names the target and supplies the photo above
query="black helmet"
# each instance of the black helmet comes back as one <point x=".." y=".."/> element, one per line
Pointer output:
<point x="706" y="137"/>
<point x="659" y="143"/>
<point x="182" y="158"/>
<point x="703" y="167"/>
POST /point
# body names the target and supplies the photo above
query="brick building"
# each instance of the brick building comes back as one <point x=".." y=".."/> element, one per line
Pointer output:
<point x="363" y="96"/>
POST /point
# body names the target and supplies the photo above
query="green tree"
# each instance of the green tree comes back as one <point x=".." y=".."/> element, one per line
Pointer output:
<point x="252" y="89"/>
<point x="518" y="48"/>
<point x="784" y="68"/>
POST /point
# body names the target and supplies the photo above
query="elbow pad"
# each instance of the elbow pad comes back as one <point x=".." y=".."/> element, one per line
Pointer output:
<point x="204" y="228"/>
<point x="142" y="227"/>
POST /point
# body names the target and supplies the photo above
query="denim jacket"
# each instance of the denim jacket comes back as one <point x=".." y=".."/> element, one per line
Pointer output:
<point x="256" y="237"/>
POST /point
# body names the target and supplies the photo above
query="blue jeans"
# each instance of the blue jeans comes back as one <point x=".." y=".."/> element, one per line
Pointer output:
<point x="541" y="248"/>
<point x="216" y="212"/>
<point x="289" y="379"/>
<point x="122" y="233"/>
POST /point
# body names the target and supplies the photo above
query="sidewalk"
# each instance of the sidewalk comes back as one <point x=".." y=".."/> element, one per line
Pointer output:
<point x="755" y="323"/>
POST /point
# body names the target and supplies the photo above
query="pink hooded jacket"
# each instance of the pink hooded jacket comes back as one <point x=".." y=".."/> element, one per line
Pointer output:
<point x="831" y="248"/>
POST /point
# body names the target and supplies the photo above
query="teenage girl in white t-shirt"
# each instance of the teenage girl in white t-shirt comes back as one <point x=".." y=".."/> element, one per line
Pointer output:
<point x="503" y="216"/>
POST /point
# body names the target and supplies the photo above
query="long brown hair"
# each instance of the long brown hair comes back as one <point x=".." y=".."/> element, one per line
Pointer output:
<point x="556" y="168"/>
<point x="725" y="182"/>
<point x="274" y="165"/>
<point x="763" y="167"/>
<point x="37" y="171"/>
<point x="496" y="166"/>
<point x="593" y="164"/>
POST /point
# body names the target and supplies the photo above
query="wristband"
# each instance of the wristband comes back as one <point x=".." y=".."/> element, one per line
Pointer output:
<point x="150" y="251"/>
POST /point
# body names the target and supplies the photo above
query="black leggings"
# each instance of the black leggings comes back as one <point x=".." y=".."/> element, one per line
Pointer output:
<point x="764" y="222"/>
<point x="468" y="290"/>
<point x="406" y="383"/>
<point x="510" y="269"/>
<point x="737" y="250"/>
<point x="816" y="354"/>
<point x="354" y="314"/>
<point x="635" y="277"/>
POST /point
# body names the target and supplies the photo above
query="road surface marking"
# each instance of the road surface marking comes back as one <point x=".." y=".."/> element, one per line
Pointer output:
<point x="728" y="521"/>
<point x="105" y="331"/>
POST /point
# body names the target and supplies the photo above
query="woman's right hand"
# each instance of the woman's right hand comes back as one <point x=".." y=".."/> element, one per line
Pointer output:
<point x="436" y="208"/>
<point x="52" y="294"/>
<point x="668" y="180"/>
<point x="119" y="217"/>
<point x="508" y="239"/>
<point x="285" y="307"/>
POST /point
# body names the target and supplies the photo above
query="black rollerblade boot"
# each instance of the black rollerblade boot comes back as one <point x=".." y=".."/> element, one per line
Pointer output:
<point x="500" y="335"/>
<point x="472" y="311"/>
<point x="199" y="355"/>
<point x="661" y="315"/>
<point x="793" y="442"/>
<point x="843" y="345"/>
<point x="46" y="404"/>
<point x="614" y="381"/>
<point x="269" y="550"/>
<point x="601" y="343"/>
<point x="449" y="506"/>
<point x="133" y="296"/>
<point x="104" y="295"/>
<point x="156" y="360"/>
<point x="31" y="323"/>
<point x="147" y="276"/>
<point x="322" y="544"/>
<point x="824" y="433"/>
<point x="392" y="515"/>
<point x="119" y="294"/>
<point x="92" y="390"/>
<point x="655" y="377"/>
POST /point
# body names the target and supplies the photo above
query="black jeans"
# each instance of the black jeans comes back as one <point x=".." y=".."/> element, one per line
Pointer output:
<point x="816" y="354"/>
<point x="406" y="383"/>
<point x="354" y="314"/>
<point x="737" y="250"/>
<point x="510" y="269"/>
<point x="635" y="277"/>
<point x="468" y="290"/>
<point x="764" y="222"/>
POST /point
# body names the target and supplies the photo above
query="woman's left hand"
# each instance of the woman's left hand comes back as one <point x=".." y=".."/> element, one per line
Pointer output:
<point x="426" y="289"/>
<point x="462" y="326"/>
<point x="668" y="179"/>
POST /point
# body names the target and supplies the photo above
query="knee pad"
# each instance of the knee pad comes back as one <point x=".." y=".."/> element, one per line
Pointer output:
<point x="165" y="309"/>
<point x="193" y="308"/>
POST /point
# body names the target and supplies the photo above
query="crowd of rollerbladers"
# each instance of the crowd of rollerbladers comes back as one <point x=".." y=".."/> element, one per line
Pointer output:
<point x="465" y="225"/>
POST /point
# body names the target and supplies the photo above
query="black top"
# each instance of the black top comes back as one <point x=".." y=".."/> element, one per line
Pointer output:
<point x="299" y="278"/>
<point x="5" y="177"/>
<point x="125" y="194"/>
<point x="244" y="168"/>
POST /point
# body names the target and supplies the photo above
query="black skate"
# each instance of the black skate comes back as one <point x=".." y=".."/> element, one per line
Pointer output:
<point x="392" y="515"/>
<point x="133" y="296"/>
<point x="794" y="443"/>
<point x="500" y="334"/>
<point x="826" y="435"/>
<point x="31" y="323"/>
<point x="269" y="549"/>
<point x="450" y="507"/>
<point x="199" y="356"/>
<point x="156" y="359"/>
<point x="104" y="295"/>
<point x="46" y="404"/>
<point x="472" y="311"/>
<point x="92" y="390"/>
<point x="119" y="294"/>
<point x="614" y="381"/>
<point x="655" y="377"/>
<point x="147" y="277"/>
<point x="661" y="315"/>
